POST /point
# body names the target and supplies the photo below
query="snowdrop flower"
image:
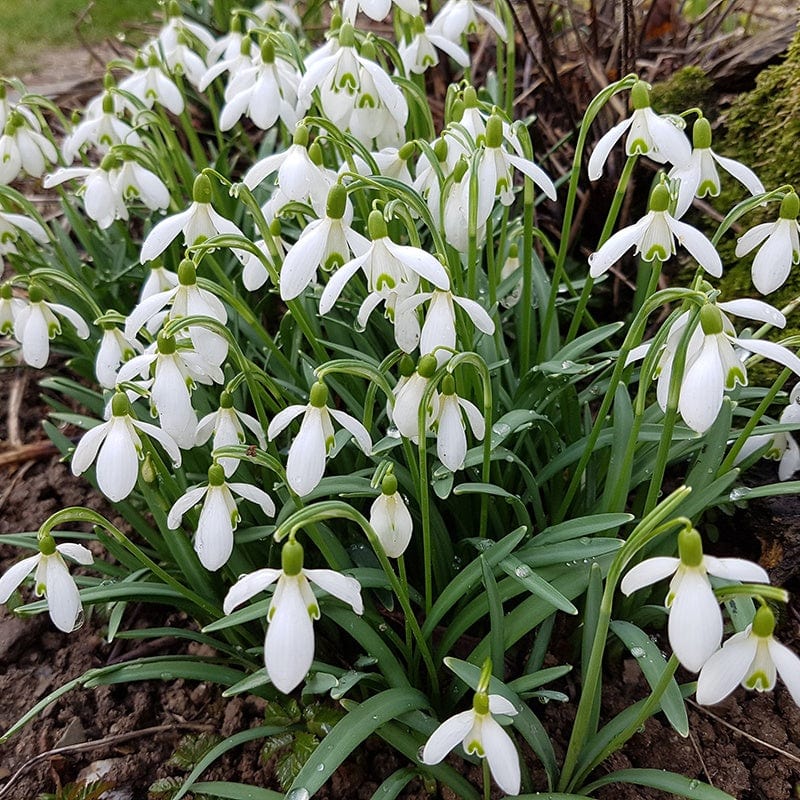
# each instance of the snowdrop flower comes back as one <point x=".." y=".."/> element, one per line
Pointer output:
<point x="510" y="266"/>
<point x="779" y="246"/>
<point x="264" y="93"/>
<point x="652" y="135"/>
<point x="101" y="131"/>
<point x="302" y="177"/>
<point x="255" y="273"/>
<point x="494" y="172"/>
<point x="213" y="539"/>
<point x="420" y="53"/>
<point x="117" y="446"/>
<point x="102" y="199"/>
<point x="439" y="329"/>
<point x="409" y="393"/>
<point x="355" y="93"/>
<point x="714" y="366"/>
<point x="239" y="60"/>
<point x="115" y="348"/>
<point x="271" y="11"/>
<point x="159" y="279"/>
<point x="24" y="150"/>
<point x="752" y="658"/>
<point x="197" y="223"/>
<point x="37" y="323"/>
<point x="695" y="619"/>
<point x="228" y="46"/>
<point x="391" y="519"/>
<point x="10" y="307"/>
<point x="377" y="9"/>
<point x="451" y="440"/>
<point x="392" y="162"/>
<point x="653" y="237"/>
<point x="390" y="269"/>
<point x="133" y="182"/>
<point x="149" y="85"/>
<point x="175" y="371"/>
<point x="289" y="644"/>
<point x="186" y="299"/>
<point x="177" y="27"/>
<point x="227" y="425"/>
<point x="479" y="733"/>
<point x="312" y="445"/>
<point x="12" y="225"/>
<point x="783" y="446"/>
<point x="699" y="177"/>
<point x="459" y="17"/>
<point x="326" y="243"/>
<point x="52" y="580"/>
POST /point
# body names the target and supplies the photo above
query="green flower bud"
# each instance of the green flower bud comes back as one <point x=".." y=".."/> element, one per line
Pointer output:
<point x="318" y="396"/>
<point x="470" y="97"/>
<point x="120" y="405"/>
<point x="35" y="293"/>
<point x="148" y="471"/>
<point x="659" y="199"/>
<point x="690" y="548"/>
<point x="701" y="134"/>
<point x="152" y="59"/>
<point x="108" y="103"/>
<point x="480" y="703"/>
<point x="300" y="135"/>
<point x="406" y="366"/>
<point x="347" y="36"/>
<point x="337" y="201"/>
<point x="406" y="151"/>
<point x="173" y="9"/>
<point x="268" y="52"/>
<point x="109" y="162"/>
<point x="418" y="25"/>
<point x="448" y="385"/>
<point x="764" y="622"/>
<point x="226" y="400"/>
<point x="440" y="149"/>
<point x="389" y="484"/>
<point x="216" y="475"/>
<point x="513" y="250"/>
<point x="426" y="366"/>
<point x="292" y="557"/>
<point x="640" y="95"/>
<point x="711" y="320"/>
<point x="460" y="169"/>
<point x="315" y="153"/>
<point x="245" y="45"/>
<point x="457" y="110"/>
<point x="6" y="291"/>
<point x="201" y="191"/>
<point x="368" y="50"/>
<point x="187" y="273"/>
<point x="790" y="206"/>
<point x="47" y="545"/>
<point x="275" y="228"/>
<point x="376" y="225"/>
<point x="494" y="131"/>
<point x="166" y="344"/>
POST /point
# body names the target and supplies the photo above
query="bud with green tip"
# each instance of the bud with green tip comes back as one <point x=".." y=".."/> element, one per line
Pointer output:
<point x="391" y="519"/>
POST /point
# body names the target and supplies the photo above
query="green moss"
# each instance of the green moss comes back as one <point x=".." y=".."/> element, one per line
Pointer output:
<point x="689" y="87"/>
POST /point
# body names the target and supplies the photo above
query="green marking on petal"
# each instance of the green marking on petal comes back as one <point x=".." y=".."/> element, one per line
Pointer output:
<point x="656" y="251"/>
<point x="639" y="146"/>
<point x="758" y="681"/>
<point x="707" y="188"/>
<point x="476" y="748"/>
<point x="385" y="281"/>
<point x="735" y="374"/>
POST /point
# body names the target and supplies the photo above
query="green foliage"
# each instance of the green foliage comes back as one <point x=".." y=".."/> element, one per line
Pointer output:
<point x="292" y="748"/>
<point x="79" y="791"/>
<point x="191" y="749"/>
<point x="689" y="87"/>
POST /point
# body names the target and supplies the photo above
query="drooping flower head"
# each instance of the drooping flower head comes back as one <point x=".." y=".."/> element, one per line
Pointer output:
<point x="695" y="619"/>
<point x="390" y="518"/>
<point x="649" y="134"/>
<point x="52" y="580"/>
<point x="752" y="658"/>
<point x="480" y="734"/>
<point x="289" y="643"/>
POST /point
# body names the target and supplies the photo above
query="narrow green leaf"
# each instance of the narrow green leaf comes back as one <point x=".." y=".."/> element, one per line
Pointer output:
<point x="165" y="669"/>
<point x="225" y="790"/>
<point x="535" y="584"/>
<point x="495" y="605"/>
<point x="394" y="784"/>
<point x="581" y="526"/>
<point x="219" y="750"/>
<point x="653" y="664"/>
<point x="361" y="721"/>
<point x="666" y="781"/>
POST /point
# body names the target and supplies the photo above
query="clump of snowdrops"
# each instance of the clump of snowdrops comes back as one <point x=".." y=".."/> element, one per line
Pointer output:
<point x="350" y="397"/>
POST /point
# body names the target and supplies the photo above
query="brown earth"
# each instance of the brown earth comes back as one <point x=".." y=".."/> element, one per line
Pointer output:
<point x="749" y="746"/>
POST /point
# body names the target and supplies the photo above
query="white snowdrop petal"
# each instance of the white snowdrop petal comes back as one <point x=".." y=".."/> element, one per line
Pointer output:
<point x="447" y="736"/>
<point x="117" y="463"/>
<point x="344" y="587"/>
<point x="183" y="504"/>
<point x="695" y="621"/>
<point x="289" y="645"/>
<point x="702" y="388"/>
<point x="77" y="552"/>
<point x="213" y="539"/>
<point x="754" y="309"/>
<point x="698" y="245"/>
<point x="788" y="666"/>
<point x="88" y="446"/>
<point x="502" y="755"/>
<point x="282" y="419"/>
<point x="63" y="600"/>
<point x="500" y="705"/>
<point x="249" y="585"/>
<point x="751" y="239"/>
<point x="726" y="669"/>
<point x="736" y="569"/>
<point x="604" y="146"/>
<point x="354" y="428"/>
<point x="648" y="572"/>
<point x="305" y="465"/>
<point x="163" y="234"/>
<point x="254" y="495"/>
<point x="617" y="245"/>
<point x="14" y="576"/>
